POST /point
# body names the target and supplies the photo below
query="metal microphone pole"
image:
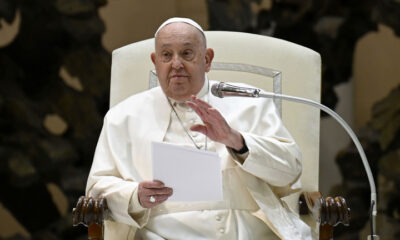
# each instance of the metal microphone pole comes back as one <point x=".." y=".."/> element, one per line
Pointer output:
<point x="249" y="92"/>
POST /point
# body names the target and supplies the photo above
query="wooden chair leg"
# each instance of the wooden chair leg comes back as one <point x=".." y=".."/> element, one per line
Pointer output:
<point x="95" y="231"/>
<point x="326" y="232"/>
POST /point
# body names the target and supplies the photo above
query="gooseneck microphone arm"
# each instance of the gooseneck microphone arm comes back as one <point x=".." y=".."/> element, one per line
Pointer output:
<point x="226" y="90"/>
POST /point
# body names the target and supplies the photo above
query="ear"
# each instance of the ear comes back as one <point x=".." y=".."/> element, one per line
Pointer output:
<point x="209" y="57"/>
<point x="153" y="58"/>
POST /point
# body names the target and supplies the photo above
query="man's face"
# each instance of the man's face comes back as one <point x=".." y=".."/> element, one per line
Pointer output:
<point x="181" y="60"/>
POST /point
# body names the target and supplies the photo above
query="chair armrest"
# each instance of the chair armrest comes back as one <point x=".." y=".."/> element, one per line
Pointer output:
<point x="91" y="213"/>
<point x="328" y="212"/>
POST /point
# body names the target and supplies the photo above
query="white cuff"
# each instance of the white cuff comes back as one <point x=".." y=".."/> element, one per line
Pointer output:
<point x="134" y="205"/>
<point x="140" y="214"/>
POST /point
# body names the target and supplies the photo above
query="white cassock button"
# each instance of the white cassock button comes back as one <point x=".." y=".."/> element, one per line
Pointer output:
<point x="221" y="230"/>
<point x="218" y="218"/>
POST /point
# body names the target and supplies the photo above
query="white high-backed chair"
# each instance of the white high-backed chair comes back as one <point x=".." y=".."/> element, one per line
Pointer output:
<point x="268" y="63"/>
<point x="295" y="69"/>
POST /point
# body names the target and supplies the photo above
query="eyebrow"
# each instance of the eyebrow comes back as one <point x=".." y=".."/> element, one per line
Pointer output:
<point x="165" y="45"/>
<point x="185" y="44"/>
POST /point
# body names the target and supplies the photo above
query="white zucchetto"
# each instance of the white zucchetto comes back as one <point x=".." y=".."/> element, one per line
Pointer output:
<point x="178" y="19"/>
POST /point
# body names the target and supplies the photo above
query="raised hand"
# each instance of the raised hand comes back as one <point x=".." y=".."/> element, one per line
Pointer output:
<point x="215" y="126"/>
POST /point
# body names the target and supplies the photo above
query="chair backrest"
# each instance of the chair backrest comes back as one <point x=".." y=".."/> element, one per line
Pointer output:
<point x="290" y="68"/>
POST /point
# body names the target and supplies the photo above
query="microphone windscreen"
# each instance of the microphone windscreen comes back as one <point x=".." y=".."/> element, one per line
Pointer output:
<point x="215" y="91"/>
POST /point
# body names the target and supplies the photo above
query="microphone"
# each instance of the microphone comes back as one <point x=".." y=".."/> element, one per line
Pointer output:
<point x="226" y="90"/>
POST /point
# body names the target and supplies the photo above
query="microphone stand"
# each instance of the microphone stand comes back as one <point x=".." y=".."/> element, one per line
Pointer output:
<point x="248" y="92"/>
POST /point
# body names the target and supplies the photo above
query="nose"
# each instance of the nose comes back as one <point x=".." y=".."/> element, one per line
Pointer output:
<point x="176" y="62"/>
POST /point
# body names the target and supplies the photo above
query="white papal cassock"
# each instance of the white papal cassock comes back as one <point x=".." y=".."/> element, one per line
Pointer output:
<point x="251" y="209"/>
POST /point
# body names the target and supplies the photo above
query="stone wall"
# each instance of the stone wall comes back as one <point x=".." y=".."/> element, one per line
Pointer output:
<point x="54" y="93"/>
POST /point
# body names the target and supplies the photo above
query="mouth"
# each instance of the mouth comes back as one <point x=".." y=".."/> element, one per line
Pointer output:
<point x="179" y="76"/>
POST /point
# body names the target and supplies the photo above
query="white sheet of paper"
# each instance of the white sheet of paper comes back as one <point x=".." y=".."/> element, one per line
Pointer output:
<point x="194" y="175"/>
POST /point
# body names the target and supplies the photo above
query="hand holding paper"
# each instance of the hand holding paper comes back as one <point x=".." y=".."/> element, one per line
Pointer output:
<point x="152" y="193"/>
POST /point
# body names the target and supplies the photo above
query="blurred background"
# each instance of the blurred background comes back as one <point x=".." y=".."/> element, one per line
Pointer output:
<point x="55" y="61"/>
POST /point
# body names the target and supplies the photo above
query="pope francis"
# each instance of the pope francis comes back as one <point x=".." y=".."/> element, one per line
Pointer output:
<point x="260" y="161"/>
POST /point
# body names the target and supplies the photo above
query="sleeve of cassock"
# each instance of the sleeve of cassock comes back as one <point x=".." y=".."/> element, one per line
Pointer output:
<point x="273" y="155"/>
<point x="105" y="178"/>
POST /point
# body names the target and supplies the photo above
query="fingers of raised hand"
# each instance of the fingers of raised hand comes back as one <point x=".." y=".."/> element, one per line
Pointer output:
<point x="216" y="116"/>
<point x="199" y="128"/>
<point x="200" y="111"/>
<point x="205" y="111"/>
<point x="200" y="102"/>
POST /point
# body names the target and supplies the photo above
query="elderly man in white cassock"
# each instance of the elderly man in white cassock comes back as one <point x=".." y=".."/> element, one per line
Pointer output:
<point x="260" y="161"/>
